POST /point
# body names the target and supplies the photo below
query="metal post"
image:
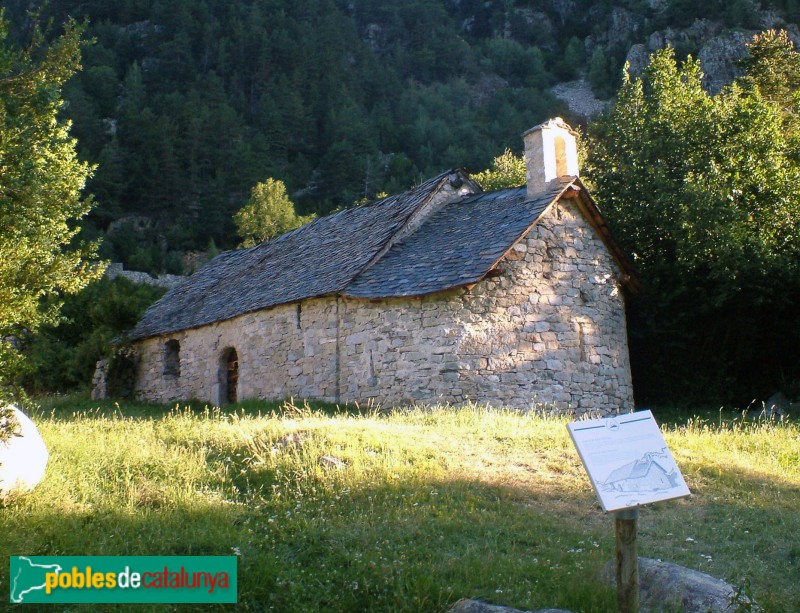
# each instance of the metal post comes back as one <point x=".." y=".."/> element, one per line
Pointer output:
<point x="627" y="560"/>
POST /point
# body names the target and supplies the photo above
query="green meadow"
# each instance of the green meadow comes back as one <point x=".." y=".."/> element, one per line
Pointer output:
<point x="368" y="510"/>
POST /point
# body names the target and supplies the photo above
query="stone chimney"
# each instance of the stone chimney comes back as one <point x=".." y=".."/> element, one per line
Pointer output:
<point x="550" y="153"/>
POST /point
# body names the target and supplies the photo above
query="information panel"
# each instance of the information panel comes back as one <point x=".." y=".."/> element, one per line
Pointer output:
<point x="627" y="460"/>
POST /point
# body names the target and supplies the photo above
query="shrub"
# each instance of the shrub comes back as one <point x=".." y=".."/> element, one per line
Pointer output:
<point x="63" y="358"/>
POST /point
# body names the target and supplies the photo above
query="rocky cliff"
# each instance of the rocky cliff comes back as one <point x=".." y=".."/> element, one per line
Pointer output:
<point x="630" y="32"/>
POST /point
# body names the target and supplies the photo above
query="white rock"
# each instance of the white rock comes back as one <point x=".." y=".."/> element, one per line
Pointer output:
<point x="23" y="458"/>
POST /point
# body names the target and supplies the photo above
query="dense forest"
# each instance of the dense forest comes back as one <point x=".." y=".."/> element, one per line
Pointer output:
<point x="186" y="109"/>
<point x="185" y="105"/>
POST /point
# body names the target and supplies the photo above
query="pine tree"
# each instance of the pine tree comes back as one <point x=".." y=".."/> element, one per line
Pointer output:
<point x="598" y="75"/>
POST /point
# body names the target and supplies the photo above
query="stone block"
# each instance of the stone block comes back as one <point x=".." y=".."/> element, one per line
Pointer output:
<point x="664" y="585"/>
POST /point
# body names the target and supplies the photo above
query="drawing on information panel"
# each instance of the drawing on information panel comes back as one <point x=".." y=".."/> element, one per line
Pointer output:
<point x="628" y="461"/>
<point x="652" y="472"/>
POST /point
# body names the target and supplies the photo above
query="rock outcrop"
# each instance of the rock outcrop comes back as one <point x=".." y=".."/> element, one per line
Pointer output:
<point x="664" y="585"/>
<point x="467" y="605"/>
<point x="166" y="281"/>
<point x="719" y="58"/>
<point x="580" y="99"/>
<point x="637" y="59"/>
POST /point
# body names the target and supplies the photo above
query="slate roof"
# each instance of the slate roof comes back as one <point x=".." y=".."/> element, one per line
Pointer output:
<point x="343" y="253"/>
<point x="457" y="245"/>
<point x="317" y="259"/>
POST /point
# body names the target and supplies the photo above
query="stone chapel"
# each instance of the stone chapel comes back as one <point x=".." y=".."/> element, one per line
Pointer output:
<point x="444" y="293"/>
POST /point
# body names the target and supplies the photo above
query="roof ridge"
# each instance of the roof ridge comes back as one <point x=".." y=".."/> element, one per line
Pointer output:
<point x="319" y="258"/>
<point x="417" y="218"/>
<point x="388" y="278"/>
<point x="444" y="233"/>
<point x="267" y="246"/>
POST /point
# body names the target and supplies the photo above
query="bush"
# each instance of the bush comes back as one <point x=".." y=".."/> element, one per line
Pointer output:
<point x="63" y="358"/>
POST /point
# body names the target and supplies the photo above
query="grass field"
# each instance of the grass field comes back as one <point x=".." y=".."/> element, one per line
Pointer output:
<point x="424" y="507"/>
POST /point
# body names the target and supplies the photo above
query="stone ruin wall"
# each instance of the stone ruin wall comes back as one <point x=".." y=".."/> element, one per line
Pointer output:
<point x="548" y="332"/>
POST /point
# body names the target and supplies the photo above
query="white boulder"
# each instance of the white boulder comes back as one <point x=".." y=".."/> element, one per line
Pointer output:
<point x="23" y="456"/>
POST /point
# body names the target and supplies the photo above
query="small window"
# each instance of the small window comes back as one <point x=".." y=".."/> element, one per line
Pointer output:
<point x="229" y="378"/>
<point x="172" y="358"/>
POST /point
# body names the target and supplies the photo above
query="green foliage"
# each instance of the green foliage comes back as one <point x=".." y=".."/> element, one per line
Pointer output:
<point x="574" y="58"/>
<point x="186" y="105"/>
<point x="773" y="67"/>
<point x="792" y="8"/>
<point x="9" y="425"/>
<point x="41" y="183"/>
<point x="63" y="357"/>
<point x="429" y="504"/>
<point x="267" y="214"/>
<point x="507" y="170"/>
<point x="518" y="63"/>
<point x="212" y="249"/>
<point x="704" y="191"/>
<point x="743" y="14"/>
<point x="599" y="75"/>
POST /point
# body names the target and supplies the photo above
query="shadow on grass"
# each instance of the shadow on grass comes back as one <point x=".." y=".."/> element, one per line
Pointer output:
<point x="323" y="542"/>
<point x="392" y="547"/>
<point x="66" y="407"/>
<point x="676" y="417"/>
<point x="421" y="546"/>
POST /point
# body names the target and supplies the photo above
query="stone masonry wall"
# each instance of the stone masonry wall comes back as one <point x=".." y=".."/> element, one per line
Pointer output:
<point x="548" y="332"/>
<point x="289" y="350"/>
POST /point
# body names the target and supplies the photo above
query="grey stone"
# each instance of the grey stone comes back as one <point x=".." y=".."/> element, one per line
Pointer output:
<point x="664" y="584"/>
<point x="332" y="461"/>
<point x="777" y="406"/>
<point x="637" y="59"/>
<point x="468" y="605"/>
<point x="292" y="439"/>
<point x="580" y="98"/>
<point x="100" y="380"/>
<point x="719" y="56"/>
<point x="166" y="281"/>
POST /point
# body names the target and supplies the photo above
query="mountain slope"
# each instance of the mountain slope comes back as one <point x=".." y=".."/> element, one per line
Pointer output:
<point x="186" y="104"/>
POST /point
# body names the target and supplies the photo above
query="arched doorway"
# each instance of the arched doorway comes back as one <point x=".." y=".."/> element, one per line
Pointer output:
<point x="230" y="376"/>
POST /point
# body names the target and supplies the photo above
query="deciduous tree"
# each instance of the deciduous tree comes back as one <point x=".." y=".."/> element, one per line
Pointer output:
<point x="772" y="66"/>
<point x="507" y="170"/>
<point x="267" y="214"/>
<point x="704" y="191"/>
<point x="41" y="183"/>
